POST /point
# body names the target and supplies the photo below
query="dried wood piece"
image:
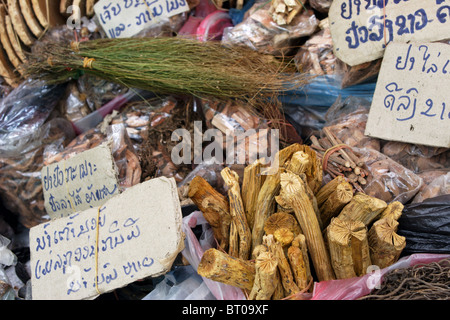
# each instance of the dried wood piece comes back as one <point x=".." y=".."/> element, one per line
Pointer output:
<point x="237" y="212"/>
<point x="393" y="210"/>
<point x="6" y="43"/>
<point x="324" y="193"/>
<point x="6" y="70"/>
<point x="296" y="196"/>
<point x="222" y="267"/>
<point x="281" y="220"/>
<point x="385" y="244"/>
<point x="287" y="278"/>
<point x="335" y="202"/>
<point x="82" y="5"/>
<point x="299" y="261"/>
<point x="311" y="197"/>
<point x="48" y="16"/>
<point x="14" y="39"/>
<point x="90" y="8"/>
<point x="252" y="182"/>
<point x="349" y="248"/>
<point x="30" y="18"/>
<point x="258" y="250"/>
<point x="214" y="206"/>
<point x="300" y="162"/>
<point x="283" y="236"/>
<point x="265" y="206"/>
<point x="233" y="241"/>
<point x="63" y="5"/>
<point x="19" y="23"/>
<point x="363" y="208"/>
<point x="266" y="278"/>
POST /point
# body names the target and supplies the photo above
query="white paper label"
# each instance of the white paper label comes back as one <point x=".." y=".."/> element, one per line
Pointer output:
<point x="360" y="29"/>
<point x="139" y="235"/>
<point x="83" y="181"/>
<point x="411" y="102"/>
<point x="125" y="18"/>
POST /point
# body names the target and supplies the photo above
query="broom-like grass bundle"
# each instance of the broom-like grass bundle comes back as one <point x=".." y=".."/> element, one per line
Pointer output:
<point x="169" y="65"/>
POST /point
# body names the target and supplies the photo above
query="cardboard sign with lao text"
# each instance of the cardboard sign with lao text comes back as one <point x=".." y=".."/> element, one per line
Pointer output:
<point x="361" y="29"/>
<point x="125" y="18"/>
<point x="411" y="102"/>
<point x="83" y="181"/>
<point x="139" y="235"/>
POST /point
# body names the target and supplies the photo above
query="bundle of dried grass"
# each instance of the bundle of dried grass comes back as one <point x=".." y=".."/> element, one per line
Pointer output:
<point x="169" y="65"/>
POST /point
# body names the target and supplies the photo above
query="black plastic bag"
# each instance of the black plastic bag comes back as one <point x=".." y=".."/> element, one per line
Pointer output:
<point x="426" y="226"/>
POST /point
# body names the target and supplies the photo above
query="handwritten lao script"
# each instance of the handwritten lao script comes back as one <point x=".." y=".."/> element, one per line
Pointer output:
<point x="139" y="235"/>
<point x="125" y="18"/>
<point x="83" y="181"/>
<point x="411" y="102"/>
<point x="361" y="29"/>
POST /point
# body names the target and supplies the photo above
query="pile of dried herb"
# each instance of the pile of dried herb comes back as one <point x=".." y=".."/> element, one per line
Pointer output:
<point x="420" y="282"/>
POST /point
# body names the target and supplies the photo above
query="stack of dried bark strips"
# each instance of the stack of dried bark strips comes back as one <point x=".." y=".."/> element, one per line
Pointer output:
<point x="278" y="233"/>
<point x="22" y="22"/>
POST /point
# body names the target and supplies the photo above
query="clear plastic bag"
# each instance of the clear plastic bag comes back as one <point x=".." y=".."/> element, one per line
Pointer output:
<point x="183" y="283"/>
<point x="193" y="252"/>
<point x="439" y="186"/>
<point x="418" y="158"/>
<point x="20" y="175"/>
<point x="260" y="32"/>
<point x="388" y="180"/>
<point x="23" y="112"/>
<point x="321" y="5"/>
<point x="347" y="120"/>
<point x="7" y="257"/>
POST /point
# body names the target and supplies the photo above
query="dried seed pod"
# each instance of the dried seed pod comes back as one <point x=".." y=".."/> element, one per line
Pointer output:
<point x="281" y="220"/>
<point x="394" y="210"/>
<point x="222" y="267"/>
<point x="363" y="208"/>
<point x="295" y="192"/>
<point x="299" y="261"/>
<point x="266" y="278"/>
<point x="349" y="247"/>
<point x="385" y="244"/>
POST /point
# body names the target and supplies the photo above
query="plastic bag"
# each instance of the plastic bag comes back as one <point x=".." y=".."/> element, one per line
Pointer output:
<point x="426" y="226"/>
<point x="418" y="158"/>
<point x="388" y="180"/>
<point x="183" y="283"/>
<point x="7" y="257"/>
<point x="321" y="5"/>
<point x="440" y="186"/>
<point x="316" y="55"/>
<point x="193" y="252"/>
<point x="20" y="176"/>
<point x="325" y="90"/>
<point x="23" y="112"/>
<point x="259" y="31"/>
<point x="354" y="288"/>
<point x="6" y="290"/>
<point x="347" y="121"/>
